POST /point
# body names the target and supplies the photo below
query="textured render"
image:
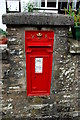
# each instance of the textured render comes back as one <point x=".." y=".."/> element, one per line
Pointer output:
<point x="63" y="102"/>
<point x="37" y="19"/>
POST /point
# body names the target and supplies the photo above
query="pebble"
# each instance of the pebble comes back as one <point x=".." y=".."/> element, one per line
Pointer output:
<point x="10" y="100"/>
<point x="66" y="96"/>
<point x="13" y="39"/>
<point x="62" y="68"/>
<point x="19" y="111"/>
<point x="28" y="115"/>
<point x="25" y="107"/>
<point x="75" y="114"/>
<point x="68" y="76"/>
<point x="17" y="87"/>
<point x="61" y="61"/>
<point x="67" y="72"/>
<point x="11" y="112"/>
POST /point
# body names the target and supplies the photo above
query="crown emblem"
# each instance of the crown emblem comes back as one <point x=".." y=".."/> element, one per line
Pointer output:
<point x="39" y="35"/>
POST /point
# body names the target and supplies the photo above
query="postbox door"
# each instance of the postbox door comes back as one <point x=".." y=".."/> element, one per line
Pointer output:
<point x="39" y="76"/>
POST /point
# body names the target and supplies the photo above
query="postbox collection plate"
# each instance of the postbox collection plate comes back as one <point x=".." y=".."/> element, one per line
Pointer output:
<point x="39" y="55"/>
<point x="38" y="65"/>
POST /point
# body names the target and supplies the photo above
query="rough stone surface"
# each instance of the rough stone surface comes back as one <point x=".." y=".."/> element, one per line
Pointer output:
<point x="74" y="46"/>
<point x="37" y="19"/>
<point x="64" y="100"/>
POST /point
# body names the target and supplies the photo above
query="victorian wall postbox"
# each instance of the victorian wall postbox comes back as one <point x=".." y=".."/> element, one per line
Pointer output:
<point x="39" y="55"/>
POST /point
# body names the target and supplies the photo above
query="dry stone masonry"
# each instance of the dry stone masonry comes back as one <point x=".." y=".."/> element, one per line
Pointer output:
<point x="63" y="102"/>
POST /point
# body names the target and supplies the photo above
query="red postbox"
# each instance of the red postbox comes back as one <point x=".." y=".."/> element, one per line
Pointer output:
<point x="39" y="54"/>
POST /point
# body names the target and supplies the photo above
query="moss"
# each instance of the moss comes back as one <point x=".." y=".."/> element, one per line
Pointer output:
<point x="37" y="100"/>
<point x="34" y="112"/>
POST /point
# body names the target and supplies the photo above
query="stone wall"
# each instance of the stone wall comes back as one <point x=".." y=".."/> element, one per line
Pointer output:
<point x="63" y="102"/>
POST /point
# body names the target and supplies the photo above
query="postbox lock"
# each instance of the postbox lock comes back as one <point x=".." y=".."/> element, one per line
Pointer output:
<point x="39" y="35"/>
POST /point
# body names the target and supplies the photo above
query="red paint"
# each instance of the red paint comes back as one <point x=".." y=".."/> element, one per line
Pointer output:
<point x="39" y="77"/>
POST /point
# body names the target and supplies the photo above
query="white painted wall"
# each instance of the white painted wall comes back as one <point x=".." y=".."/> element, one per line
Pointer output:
<point x="2" y="11"/>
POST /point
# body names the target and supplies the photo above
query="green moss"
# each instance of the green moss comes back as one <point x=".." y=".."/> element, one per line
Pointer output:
<point x="37" y="100"/>
<point x="34" y="112"/>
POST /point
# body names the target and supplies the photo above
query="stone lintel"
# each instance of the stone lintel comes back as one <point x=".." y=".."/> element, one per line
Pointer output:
<point x="28" y="18"/>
